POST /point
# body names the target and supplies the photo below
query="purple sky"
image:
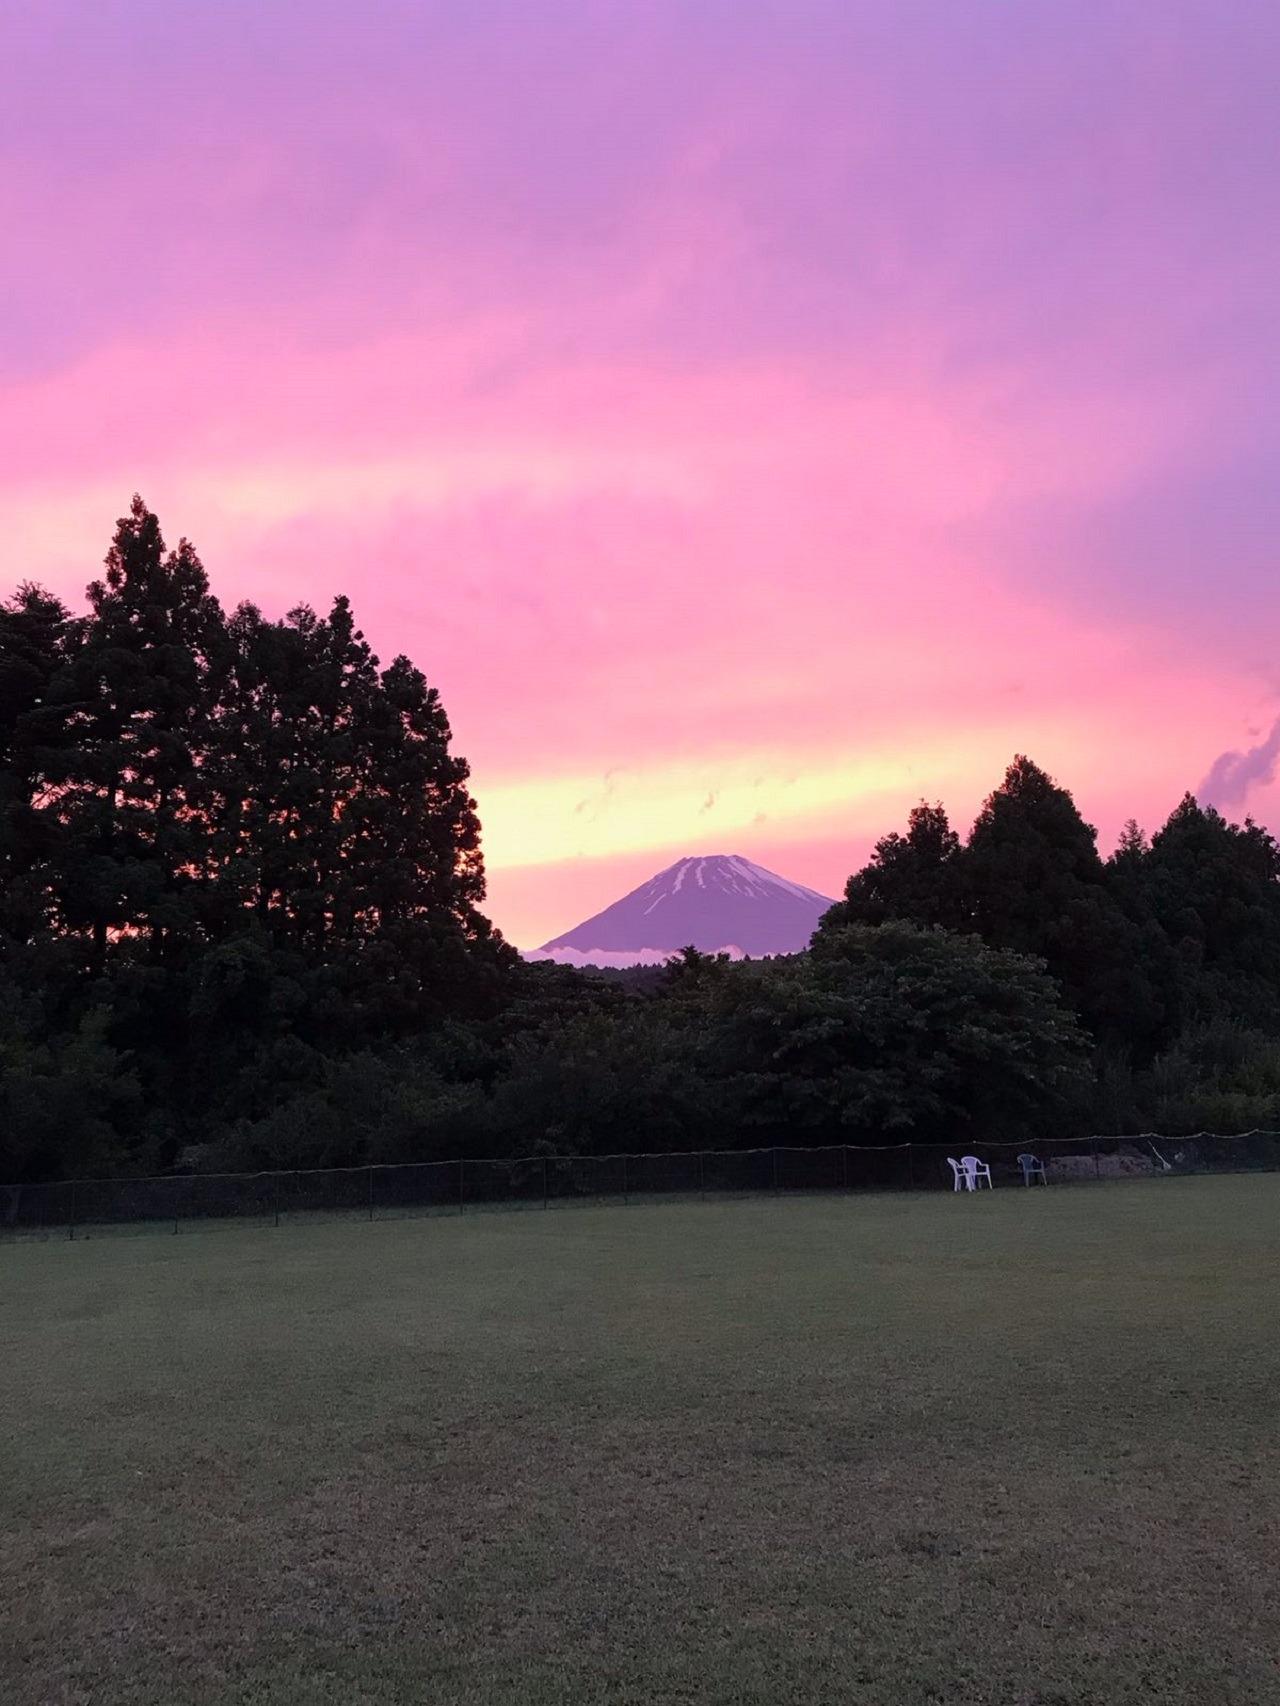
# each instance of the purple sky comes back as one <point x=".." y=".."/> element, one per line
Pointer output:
<point x="752" y="416"/>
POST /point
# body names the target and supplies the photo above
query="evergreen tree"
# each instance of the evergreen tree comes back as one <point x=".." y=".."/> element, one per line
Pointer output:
<point x="344" y="817"/>
<point x="37" y="637"/>
<point x="1131" y="849"/>
<point x="136" y="700"/>
<point x="917" y="877"/>
<point x="1035" y="884"/>
<point x="1032" y="857"/>
<point x="1214" y="888"/>
<point x="304" y="692"/>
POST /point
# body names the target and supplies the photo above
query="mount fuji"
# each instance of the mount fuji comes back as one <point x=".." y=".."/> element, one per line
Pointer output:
<point x="719" y="904"/>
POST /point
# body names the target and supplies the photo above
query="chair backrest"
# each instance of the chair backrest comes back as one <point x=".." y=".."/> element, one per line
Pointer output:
<point x="955" y="1166"/>
<point x="1028" y="1162"/>
<point x="970" y="1163"/>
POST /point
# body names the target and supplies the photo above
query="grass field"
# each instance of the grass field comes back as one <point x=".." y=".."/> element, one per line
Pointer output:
<point x="1021" y="1450"/>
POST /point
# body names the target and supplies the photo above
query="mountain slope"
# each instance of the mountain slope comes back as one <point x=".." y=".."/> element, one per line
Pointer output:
<point x="717" y="903"/>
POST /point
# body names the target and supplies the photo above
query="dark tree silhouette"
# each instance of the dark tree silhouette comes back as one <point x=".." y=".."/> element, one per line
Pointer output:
<point x="240" y="925"/>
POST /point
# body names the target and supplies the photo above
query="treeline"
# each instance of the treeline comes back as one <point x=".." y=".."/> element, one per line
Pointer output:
<point x="240" y="881"/>
<point x="1168" y="952"/>
<point x="230" y="848"/>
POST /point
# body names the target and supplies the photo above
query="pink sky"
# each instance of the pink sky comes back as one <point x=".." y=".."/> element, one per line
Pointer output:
<point x="752" y="415"/>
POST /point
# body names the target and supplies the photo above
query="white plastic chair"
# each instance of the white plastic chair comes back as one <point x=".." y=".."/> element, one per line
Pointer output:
<point x="976" y="1171"/>
<point x="960" y="1175"/>
<point x="1032" y="1168"/>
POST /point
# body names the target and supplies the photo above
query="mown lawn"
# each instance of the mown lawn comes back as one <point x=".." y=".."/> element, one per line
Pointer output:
<point x="1021" y="1450"/>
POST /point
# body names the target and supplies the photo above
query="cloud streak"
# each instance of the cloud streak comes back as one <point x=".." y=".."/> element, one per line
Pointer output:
<point x="1234" y="775"/>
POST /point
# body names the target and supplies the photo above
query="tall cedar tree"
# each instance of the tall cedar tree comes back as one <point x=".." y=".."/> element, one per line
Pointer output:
<point x="1035" y="883"/>
<point x="37" y="637"/>
<point x="136" y="700"/>
<point x="1214" y="889"/>
<point x="342" y="815"/>
<point x="917" y="877"/>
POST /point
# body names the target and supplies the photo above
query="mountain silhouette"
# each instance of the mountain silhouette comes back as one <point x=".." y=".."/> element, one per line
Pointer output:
<point x="718" y="903"/>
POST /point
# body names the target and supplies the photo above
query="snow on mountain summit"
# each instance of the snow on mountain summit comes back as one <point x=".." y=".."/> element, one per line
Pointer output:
<point x="718" y="903"/>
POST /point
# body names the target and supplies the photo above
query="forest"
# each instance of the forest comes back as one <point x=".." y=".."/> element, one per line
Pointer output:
<point x="241" y="885"/>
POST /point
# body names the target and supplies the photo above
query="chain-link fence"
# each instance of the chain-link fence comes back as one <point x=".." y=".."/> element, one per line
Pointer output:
<point x="82" y="1207"/>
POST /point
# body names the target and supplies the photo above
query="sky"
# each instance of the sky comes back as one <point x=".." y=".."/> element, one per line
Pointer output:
<point x="753" y="415"/>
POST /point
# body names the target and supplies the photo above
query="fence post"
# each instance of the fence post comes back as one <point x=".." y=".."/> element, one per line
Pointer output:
<point x="277" y="1199"/>
<point x="71" y="1215"/>
<point x="177" y="1202"/>
<point x="911" y="1166"/>
<point x="775" y="1169"/>
<point x="462" y="1187"/>
<point x="702" y="1174"/>
<point x="544" y="1181"/>
<point x="844" y="1166"/>
<point x="625" y="1195"/>
<point x="371" y="1193"/>
<point x="1097" y="1169"/>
